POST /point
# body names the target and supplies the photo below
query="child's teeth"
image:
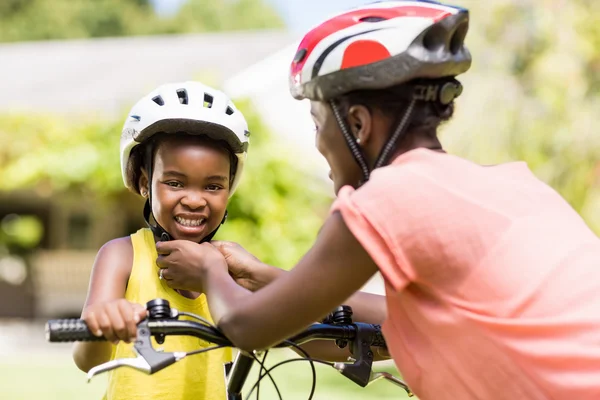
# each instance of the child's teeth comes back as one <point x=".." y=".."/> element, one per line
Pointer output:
<point x="189" y="222"/>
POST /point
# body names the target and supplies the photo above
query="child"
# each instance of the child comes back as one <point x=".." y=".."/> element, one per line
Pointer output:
<point x="183" y="147"/>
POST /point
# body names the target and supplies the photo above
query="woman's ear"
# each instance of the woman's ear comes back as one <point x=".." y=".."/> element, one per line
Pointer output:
<point x="143" y="183"/>
<point x="359" y="118"/>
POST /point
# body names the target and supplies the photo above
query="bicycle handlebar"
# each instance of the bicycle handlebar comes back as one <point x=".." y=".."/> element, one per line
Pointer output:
<point x="162" y="321"/>
<point x="76" y="330"/>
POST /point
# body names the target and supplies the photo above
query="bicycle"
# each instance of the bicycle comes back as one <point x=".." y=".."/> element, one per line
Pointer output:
<point x="164" y="321"/>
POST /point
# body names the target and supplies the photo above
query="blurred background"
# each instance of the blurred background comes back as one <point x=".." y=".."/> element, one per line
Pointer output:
<point x="71" y="69"/>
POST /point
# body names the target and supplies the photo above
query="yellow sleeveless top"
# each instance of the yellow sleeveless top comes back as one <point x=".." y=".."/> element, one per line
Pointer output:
<point x="196" y="377"/>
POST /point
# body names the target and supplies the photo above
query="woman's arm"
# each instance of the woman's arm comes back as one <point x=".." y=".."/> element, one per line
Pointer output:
<point x="108" y="282"/>
<point x="366" y="307"/>
<point x="335" y="268"/>
<point x="252" y="274"/>
<point x="249" y="272"/>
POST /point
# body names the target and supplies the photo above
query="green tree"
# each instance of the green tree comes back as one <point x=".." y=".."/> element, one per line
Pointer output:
<point x="22" y="20"/>
<point x="275" y="213"/>
<point x="532" y="94"/>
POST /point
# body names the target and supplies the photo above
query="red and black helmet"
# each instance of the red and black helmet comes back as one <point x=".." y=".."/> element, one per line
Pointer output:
<point x="380" y="45"/>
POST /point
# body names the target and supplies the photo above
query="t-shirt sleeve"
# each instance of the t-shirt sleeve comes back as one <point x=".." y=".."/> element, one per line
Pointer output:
<point x="362" y="219"/>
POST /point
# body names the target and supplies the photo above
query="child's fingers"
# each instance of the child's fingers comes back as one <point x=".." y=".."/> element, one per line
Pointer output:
<point x="127" y="314"/>
<point x="118" y="324"/>
<point x="92" y="323"/>
<point x="139" y="312"/>
<point x="166" y="247"/>
<point x="105" y="325"/>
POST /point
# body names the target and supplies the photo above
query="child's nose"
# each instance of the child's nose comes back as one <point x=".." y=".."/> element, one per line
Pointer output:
<point x="194" y="200"/>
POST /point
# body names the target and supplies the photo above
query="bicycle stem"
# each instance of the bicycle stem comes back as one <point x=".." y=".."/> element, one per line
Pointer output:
<point x="237" y="374"/>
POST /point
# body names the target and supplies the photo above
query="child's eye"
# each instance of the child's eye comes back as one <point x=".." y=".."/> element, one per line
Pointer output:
<point x="214" y="187"/>
<point x="174" y="184"/>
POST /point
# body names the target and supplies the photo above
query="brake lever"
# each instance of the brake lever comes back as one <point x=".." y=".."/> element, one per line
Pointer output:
<point x="148" y="360"/>
<point x="360" y="371"/>
<point x="137" y="363"/>
<point x="375" y="376"/>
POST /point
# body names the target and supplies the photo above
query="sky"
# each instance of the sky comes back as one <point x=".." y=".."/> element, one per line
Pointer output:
<point x="299" y="15"/>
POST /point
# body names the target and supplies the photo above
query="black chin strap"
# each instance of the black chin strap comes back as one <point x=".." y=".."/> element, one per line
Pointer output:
<point x="152" y="223"/>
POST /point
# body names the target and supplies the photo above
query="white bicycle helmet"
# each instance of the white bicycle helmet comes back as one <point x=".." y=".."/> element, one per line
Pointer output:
<point x="378" y="46"/>
<point x="189" y="107"/>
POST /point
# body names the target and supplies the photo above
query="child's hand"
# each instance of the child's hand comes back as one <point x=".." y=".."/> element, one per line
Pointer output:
<point x="115" y="320"/>
<point x="182" y="263"/>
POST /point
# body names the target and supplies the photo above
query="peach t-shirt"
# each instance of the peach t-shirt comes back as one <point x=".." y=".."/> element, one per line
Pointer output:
<point x="492" y="279"/>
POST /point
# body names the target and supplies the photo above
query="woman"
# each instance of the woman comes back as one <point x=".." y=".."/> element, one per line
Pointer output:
<point x="492" y="279"/>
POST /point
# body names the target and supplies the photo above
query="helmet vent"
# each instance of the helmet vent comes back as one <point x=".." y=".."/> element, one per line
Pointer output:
<point x="435" y="38"/>
<point x="229" y="110"/>
<point x="208" y="100"/>
<point x="300" y="55"/>
<point x="372" y="19"/>
<point x="183" y="96"/>
<point x="458" y="38"/>
<point x="158" y="100"/>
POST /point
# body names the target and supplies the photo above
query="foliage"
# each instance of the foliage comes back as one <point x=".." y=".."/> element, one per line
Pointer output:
<point x="278" y="208"/>
<point x="533" y="94"/>
<point x="22" y="20"/>
<point x="275" y="213"/>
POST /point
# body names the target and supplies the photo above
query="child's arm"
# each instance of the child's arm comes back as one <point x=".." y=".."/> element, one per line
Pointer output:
<point x="105" y="310"/>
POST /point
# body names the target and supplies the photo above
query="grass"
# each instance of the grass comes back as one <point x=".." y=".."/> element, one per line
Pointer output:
<point x="54" y="376"/>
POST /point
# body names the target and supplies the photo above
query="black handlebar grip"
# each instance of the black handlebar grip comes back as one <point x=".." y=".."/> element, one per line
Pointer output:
<point x="69" y="330"/>
<point x="378" y="339"/>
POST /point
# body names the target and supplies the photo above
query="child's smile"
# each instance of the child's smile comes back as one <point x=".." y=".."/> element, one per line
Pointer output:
<point x="190" y="187"/>
<point x="191" y="224"/>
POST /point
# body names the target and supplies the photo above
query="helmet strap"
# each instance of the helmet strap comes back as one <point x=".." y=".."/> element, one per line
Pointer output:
<point x="154" y="226"/>
<point x="396" y="137"/>
<point x="355" y="149"/>
<point x="385" y="152"/>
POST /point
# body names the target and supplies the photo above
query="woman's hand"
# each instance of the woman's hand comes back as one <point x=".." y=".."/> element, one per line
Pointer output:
<point x="247" y="270"/>
<point x="115" y="320"/>
<point x="183" y="264"/>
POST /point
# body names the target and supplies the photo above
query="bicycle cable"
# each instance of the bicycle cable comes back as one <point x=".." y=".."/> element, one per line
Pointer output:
<point x="194" y="352"/>
<point x="263" y="368"/>
<point x="307" y="359"/>
<point x="199" y="318"/>
<point x="209" y="324"/>
<point x="312" y="367"/>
